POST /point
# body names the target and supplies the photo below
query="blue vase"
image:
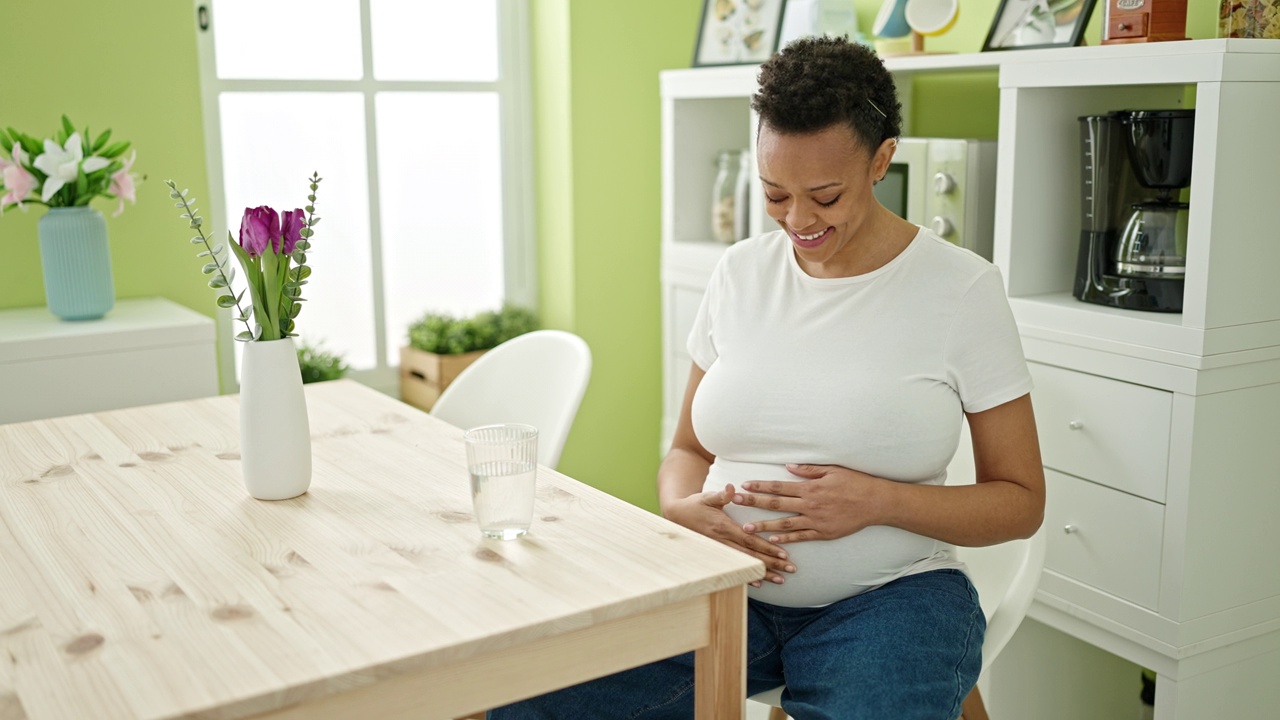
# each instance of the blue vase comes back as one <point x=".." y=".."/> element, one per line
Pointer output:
<point x="77" y="263"/>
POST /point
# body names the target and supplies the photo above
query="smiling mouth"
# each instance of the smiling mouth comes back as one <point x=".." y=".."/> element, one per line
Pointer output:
<point x="811" y="240"/>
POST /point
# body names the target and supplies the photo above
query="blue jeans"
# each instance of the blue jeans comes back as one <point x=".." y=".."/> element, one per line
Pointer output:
<point x="909" y="650"/>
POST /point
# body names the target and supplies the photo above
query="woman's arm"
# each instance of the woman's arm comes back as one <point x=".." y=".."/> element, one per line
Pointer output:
<point x="1007" y="502"/>
<point x="680" y="480"/>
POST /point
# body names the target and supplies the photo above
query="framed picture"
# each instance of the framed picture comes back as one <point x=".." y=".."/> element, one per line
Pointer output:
<point x="738" y="32"/>
<point x="1026" y="24"/>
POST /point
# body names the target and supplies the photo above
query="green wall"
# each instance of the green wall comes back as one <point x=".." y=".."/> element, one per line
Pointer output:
<point x="599" y="217"/>
<point x="134" y="71"/>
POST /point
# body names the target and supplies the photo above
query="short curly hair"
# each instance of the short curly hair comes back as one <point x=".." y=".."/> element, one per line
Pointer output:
<point x="816" y="82"/>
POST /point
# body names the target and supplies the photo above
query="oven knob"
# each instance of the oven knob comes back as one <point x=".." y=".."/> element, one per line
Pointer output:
<point x="941" y="226"/>
<point x="943" y="183"/>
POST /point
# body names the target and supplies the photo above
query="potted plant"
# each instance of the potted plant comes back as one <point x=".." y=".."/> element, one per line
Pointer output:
<point x="319" y="364"/>
<point x="275" y="439"/>
<point x="441" y="346"/>
<point x="64" y="173"/>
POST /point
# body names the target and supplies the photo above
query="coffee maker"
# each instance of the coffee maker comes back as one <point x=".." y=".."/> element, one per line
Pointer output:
<point x="1133" y="227"/>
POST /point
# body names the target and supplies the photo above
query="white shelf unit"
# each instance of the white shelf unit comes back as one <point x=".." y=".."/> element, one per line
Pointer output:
<point x="146" y="350"/>
<point x="1157" y="429"/>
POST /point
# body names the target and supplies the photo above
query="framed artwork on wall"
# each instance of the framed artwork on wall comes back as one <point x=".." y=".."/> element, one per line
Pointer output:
<point x="1027" y="24"/>
<point x="738" y="32"/>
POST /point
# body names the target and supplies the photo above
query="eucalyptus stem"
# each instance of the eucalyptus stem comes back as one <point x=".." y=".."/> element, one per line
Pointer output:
<point x="195" y="225"/>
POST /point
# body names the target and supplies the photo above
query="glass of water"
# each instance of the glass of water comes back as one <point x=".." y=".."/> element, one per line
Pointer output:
<point x="503" y="461"/>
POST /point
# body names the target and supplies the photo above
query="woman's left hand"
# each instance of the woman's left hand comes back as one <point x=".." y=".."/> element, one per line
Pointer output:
<point x="832" y="502"/>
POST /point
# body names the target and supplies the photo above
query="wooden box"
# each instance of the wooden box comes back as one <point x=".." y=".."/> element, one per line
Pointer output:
<point x="424" y="375"/>
<point x="1135" y="21"/>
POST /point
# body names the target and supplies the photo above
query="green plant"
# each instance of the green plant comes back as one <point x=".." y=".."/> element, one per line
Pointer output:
<point x="272" y="249"/>
<point x="449" y="335"/>
<point x="67" y="170"/>
<point x="319" y="364"/>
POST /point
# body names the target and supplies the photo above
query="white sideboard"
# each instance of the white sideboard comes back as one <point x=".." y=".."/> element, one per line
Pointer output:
<point x="1158" y="430"/>
<point x="146" y="350"/>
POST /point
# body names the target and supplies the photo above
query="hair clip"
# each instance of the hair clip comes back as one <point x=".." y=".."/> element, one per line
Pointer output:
<point x="877" y="107"/>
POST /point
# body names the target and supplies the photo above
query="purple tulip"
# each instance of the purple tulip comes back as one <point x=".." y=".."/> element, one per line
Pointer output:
<point x="292" y="228"/>
<point x="259" y="227"/>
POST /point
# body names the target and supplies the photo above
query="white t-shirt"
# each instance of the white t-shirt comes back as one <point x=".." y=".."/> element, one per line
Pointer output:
<point x="871" y="372"/>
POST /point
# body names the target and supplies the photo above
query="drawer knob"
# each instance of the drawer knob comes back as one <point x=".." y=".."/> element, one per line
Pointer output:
<point x="1069" y="529"/>
<point x="1075" y="425"/>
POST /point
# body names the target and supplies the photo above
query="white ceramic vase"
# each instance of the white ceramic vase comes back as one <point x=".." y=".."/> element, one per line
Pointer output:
<point x="275" y="438"/>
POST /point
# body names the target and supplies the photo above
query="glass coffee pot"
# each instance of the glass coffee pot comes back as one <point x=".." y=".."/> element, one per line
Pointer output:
<point x="1154" y="241"/>
<point x="1133" y="239"/>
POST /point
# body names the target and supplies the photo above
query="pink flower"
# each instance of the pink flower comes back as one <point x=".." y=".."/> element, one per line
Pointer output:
<point x="17" y="179"/>
<point x="292" y="225"/>
<point x="259" y="227"/>
<point x="122" y="184"/>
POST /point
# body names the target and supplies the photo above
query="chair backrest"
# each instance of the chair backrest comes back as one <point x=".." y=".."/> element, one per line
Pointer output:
<point x="537" y="379"/>
<point x="1006" y="576"/>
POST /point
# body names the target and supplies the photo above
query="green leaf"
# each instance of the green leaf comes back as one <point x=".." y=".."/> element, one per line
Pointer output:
<point x="197" y="240"/>
<point x="209" y="268"/>
<point x="6" y="141"/>
<point x="302" y="272"/>
<point x="300" y="257"/>
<point x="217" y="282"/>
<point x="226" y="301"/>
<point x="116" y="149"/>
<point x="293" y="312"/>
<point x="102" y="140"/>
<point x="67" y="127"/>
<point x="306" y="233"/>
<point x="314" y="222"/>
<point x="245" y="336"/>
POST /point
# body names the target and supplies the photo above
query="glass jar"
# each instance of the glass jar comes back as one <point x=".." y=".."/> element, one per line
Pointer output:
<point x="742" y="193"/>
<point x="724" y="200"/>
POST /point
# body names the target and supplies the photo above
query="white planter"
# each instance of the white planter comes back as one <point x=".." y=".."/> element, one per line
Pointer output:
<point x="275" y="437"/>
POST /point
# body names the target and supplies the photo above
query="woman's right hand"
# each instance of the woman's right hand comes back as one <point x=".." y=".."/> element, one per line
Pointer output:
<point x="704" y="513"/>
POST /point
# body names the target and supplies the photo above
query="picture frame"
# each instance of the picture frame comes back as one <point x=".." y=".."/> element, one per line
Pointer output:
<point x="738" y="32"/>
<point x="1030" y="24"/>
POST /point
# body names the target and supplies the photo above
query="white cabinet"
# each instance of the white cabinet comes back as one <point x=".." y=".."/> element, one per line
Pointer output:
<point x="146" y="350"/>
<point x="1158" y="430"/>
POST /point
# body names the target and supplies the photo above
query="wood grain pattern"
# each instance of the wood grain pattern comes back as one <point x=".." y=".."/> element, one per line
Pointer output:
<point x="139" y="580"/>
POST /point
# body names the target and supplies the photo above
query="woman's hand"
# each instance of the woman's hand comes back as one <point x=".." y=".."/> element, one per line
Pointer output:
<point x="831" y="503"/>
<point x="704" y="513"/>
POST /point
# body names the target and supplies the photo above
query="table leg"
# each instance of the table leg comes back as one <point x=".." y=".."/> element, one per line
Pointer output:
<point x="720" y="668"/>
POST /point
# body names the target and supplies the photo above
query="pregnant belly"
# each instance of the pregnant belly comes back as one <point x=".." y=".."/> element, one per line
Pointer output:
<point x="826" y="570"/>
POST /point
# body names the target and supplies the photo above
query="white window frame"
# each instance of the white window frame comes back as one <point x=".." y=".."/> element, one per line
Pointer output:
<point x="515" y="108"/>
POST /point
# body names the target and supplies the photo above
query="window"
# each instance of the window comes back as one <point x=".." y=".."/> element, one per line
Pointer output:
<point x="416" y="114"/>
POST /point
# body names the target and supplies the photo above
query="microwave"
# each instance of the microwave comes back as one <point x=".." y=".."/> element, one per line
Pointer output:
<point x="947" y="185"/>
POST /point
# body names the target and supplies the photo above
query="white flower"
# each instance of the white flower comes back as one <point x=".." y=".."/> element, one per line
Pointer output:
<point x="62" y="164"/>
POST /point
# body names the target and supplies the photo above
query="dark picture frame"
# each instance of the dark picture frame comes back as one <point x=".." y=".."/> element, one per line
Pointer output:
<point x="738" y="32"/>
<point x="1030" y="24"/>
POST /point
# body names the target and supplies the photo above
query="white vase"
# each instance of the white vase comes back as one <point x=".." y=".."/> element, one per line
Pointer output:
<point x="275" y="438"/>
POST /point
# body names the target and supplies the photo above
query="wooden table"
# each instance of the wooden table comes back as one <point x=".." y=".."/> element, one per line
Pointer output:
<point x="139" y="580"/>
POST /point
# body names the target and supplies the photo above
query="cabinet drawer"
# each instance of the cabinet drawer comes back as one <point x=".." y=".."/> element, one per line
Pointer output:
<point x="1111" y="432"/>
<point x="1104" y="538"/>
<point x="1126" y="26"/>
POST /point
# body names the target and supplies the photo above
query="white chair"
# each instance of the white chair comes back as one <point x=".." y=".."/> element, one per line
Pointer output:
<point x="537" y="379"/>
<point x="1006" y="576"/>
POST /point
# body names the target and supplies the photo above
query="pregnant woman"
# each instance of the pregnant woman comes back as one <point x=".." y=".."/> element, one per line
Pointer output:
<point x="834" y="362"/>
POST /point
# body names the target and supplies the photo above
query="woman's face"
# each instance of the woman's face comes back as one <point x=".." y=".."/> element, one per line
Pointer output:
<point x="817" y="187"/>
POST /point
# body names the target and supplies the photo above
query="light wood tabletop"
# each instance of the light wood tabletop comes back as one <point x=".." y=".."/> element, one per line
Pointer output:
<point x="138" y="579"/>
